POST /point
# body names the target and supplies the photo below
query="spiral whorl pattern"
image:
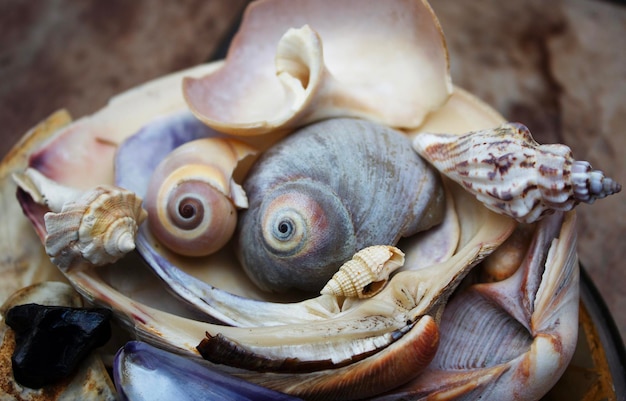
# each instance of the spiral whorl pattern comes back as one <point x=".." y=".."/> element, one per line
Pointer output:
<point x="189" y="203"/>
<point x="327" y="191"/>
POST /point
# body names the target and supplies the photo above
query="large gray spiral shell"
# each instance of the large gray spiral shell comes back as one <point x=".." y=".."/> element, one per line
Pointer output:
<point x="327" y="191"/>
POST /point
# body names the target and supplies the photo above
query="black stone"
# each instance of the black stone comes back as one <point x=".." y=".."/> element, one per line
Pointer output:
<point x="50" y="341"/>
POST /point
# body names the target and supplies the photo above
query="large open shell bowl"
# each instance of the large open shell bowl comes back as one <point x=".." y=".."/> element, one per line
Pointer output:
<point x="482" y="304"/>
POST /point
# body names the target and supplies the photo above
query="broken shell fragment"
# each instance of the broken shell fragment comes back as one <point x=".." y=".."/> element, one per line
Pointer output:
<point x="192" y="199"/>
<point x="97" y="225"/>
<point x="366" y="273"/>
<point x="512" y="174"/>
<point x="145" y="373"/>
<point x="532" y="324"/>
<point x="307" y="65"/>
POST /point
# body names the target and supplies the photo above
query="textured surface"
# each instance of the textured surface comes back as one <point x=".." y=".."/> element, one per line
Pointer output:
<point x="557" y="66"/>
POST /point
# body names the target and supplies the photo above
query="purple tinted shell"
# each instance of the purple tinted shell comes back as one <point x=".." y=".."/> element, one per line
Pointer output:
<point x="143" y="372"/>
<point x="139" y="155"/>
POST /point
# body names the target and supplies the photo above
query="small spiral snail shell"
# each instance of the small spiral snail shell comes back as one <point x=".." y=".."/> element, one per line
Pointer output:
<point x="192" y="199"/>
<point x="327" y="191"/>
<point x="512" y="174"/>
<point x="366" y="273"/>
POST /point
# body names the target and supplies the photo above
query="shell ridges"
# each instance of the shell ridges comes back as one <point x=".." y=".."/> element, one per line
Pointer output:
<point x="507" y="170"/>
<point x="366" y="273"/>
<point x="97" y="225"/>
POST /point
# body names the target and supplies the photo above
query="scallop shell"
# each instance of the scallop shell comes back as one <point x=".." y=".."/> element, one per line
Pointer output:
<point x="366" y="273"/>
<point x="97" y="225"/>
<point x="512" y="174"/>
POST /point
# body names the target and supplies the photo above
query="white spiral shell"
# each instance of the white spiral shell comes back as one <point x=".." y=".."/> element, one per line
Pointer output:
<point x="512" y="174"/>
<point x="366" y="273"/>
<point x="97" y="225"/>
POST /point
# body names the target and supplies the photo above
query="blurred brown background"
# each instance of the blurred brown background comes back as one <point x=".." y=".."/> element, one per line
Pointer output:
<point x="559" y="67"/>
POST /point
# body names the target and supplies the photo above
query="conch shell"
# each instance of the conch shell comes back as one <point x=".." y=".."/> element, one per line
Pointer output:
<point x="512" y="174"/>
<point x="366" y="273"/>
<point x="192" y="199"/>
<point x="98" y="226"/>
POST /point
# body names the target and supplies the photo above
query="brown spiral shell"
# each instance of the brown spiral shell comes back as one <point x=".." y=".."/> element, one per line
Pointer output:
<point x="192" y="199"/>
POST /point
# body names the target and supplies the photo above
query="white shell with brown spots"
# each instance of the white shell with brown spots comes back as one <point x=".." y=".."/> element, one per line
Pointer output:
<point x="509" y="172"/>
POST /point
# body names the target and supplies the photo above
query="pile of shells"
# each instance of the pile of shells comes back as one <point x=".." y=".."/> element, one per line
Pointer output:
<point x="322" y="214"/>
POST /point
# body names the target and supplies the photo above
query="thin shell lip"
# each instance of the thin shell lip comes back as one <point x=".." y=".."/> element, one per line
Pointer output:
<point x="310" y="73"/>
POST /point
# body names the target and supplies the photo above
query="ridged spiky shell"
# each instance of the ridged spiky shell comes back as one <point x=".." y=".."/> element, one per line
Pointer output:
<point x="507" y="170"/>
<point x="99" y="227"/>
<point x="366" y="273"/>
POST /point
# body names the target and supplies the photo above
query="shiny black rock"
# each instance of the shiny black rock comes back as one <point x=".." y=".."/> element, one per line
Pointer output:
<point x="50" y="341"/>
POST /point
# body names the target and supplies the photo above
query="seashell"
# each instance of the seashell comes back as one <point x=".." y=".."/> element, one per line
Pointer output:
<point x="505" y="260"/>
<point x="302" y="68"/>
<point x="192" y="199"/>
<point x="145" y="373"/>
<point x="531" y="321"/>
<point x="98" y="225"/>
<point x="366" y="273"/>
<point x="512" y="174"/>
<point x="378" y="343"/>
<point x="323" y="193"/>
<point x="321" y="348"/>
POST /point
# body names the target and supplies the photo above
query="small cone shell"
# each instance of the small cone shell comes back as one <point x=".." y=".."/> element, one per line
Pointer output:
<point x="366" y="273"/>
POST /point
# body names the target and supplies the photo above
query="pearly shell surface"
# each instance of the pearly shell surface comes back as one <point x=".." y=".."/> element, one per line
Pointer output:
<point x="309" y="65"/>
<point x="97" y="225"/>
<point x="366" y="273"/>
<point x="327" y="191"/>
<point x="192" y="199"/>
<point x="507" y="170"/>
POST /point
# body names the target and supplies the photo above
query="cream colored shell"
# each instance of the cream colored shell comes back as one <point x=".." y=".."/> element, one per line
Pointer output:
<point x="512" y="174"/>
<point x="366" y="273"/>
<point x="303" y="68"/>
<point x="97" y="225"/>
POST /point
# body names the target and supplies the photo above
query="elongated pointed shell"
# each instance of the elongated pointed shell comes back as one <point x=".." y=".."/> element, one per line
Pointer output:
<point x="512" y="174"/>
<point x="366" y="273"/>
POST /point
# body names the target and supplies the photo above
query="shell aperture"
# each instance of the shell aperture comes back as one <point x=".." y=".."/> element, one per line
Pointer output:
<point x="324" y="193"/>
